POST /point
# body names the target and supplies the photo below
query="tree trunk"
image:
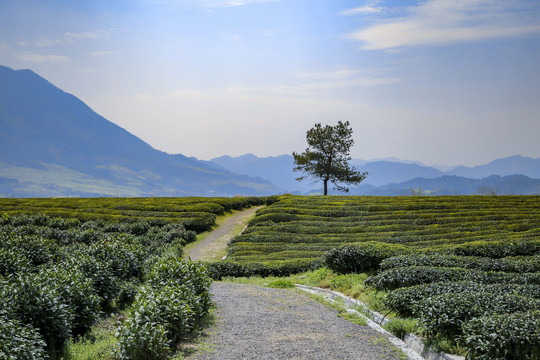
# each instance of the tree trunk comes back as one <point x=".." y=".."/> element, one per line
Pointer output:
<point x="325" y="187"/>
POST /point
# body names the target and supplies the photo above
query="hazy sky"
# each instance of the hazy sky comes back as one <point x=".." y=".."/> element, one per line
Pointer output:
<point x="438" y="81"/>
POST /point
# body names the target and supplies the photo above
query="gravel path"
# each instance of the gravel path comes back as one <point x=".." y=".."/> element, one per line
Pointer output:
<point x="219" y="238"/>
<point x="254" y="322"/>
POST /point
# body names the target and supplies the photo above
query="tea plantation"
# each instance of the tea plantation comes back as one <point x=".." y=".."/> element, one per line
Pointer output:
<point x="66" y="263"/>
<point x="466" y="267"/>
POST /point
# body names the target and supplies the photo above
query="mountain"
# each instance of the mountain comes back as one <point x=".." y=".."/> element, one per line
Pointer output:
<point x="52" y="144"/>
<point x="456" y="185"/>
<point x="398" y="177"/>
<point x="508" y="166"/>
<point x="278" y="170"/>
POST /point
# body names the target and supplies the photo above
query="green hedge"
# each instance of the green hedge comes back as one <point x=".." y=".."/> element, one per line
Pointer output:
<point x="444" y="315"/>
<point x="19" y="341"/>
<point x="502" y="337"/>
<point x="518" y="265"/>
<point x="416" y="275"/>
<point x="362" y="257"/>
<point x="221" y="269"/>
<point x="498" y="249"/>
<point x="404" y="300"/>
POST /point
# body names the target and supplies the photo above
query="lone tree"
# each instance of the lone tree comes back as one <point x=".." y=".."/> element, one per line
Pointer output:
<point x="327" y="156"/>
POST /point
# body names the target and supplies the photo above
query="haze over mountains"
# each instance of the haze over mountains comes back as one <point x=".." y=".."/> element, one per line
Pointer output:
<point x="399" y="178"/>
<point x="52" y="144"/>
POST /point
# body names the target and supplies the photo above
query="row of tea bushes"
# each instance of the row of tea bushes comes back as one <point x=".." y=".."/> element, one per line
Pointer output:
<point x="59" y="274"/>
<point x="176" y="293"/>
<point x="300" y="227"/>
<point x="197" y="214"/>
<point x="459" y="299"/>
<point x="59" y="292"/>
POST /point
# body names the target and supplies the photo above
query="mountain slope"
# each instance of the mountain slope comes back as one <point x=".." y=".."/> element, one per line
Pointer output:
<point x="507" y="166"/>
<point x="278" y="170"/>
<point x="51" y="142"/>
<point x="455" y="185"/>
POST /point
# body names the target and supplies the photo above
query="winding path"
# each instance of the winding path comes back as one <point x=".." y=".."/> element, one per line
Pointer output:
<point x="217" y="240"/>
<point x="255" y="322"/>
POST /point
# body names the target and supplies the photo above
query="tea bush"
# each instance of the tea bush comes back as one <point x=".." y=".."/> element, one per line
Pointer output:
<point x="444" y="315"/>
<point x="18" y="341"/>
<point x="520" y="264"/>
<point x="362" y="257"/>
<point x="404" y="300"/>
<point x="415" y="275"/>
<point x="501" y="337"/>
<point x="31" y="302"/>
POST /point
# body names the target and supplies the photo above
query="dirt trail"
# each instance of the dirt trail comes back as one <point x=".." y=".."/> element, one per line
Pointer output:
<point x="216" y="241"/>
<point x="254" y="322"/>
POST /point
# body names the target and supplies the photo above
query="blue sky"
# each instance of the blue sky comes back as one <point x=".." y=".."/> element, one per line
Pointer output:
<point x="438" y="81"/>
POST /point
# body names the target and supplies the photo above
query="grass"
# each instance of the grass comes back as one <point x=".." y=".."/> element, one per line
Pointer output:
<point x="97" y="344"/>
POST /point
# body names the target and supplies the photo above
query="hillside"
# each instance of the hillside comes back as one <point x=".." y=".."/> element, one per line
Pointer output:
<point x="52" y="144"/>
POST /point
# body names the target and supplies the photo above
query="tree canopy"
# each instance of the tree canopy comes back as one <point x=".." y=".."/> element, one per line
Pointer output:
<point x="327" y="157"/>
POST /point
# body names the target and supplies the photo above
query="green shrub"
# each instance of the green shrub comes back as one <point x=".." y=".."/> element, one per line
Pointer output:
<point x="104" y="282"/>
<point x="18" y="341"/>
<point x="503" y="337"/>
<point x="185" y="273"/>
<point x="12" y="262"/>
<point x="498" y="249"/>
<point x="35" y="248"/>
<point x="404" y="300"/>
<point x="30" y="301"/>
<point x="281" y="284"/>
<point x="121" y="254"/>
<point x="444" y="315"/>
<point x="519" y="265"/>
<point x="361" y="257"/>
<point x="416" y="275"/>
<point x="141" y="340"/>
<point x="74" y="290"/>
<point x="221" y="269"/>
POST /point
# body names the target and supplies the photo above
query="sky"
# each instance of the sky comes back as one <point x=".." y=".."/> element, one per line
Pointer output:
<point x="450" y="82"/>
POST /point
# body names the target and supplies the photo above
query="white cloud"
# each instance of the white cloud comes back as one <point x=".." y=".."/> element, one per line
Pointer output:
<point x="39" y="59"/>
<point x="442" y="22"/>
<point x="368" y="9"/>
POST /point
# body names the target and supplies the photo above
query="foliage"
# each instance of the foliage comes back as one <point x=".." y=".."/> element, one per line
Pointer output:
<point x="327" y="155"/>
<point x="405" y="300"/>
<point x="18" y="341"/>
<point x="165" y="310"/>
<point x="32" y="302"/>
<point x="281" y="284"/>
<point x="400" y="327"/>
<point x="415" y="275"/>
<point x="501" y="337"/>
<point x="361" y="257"/>
<point x="520" y="264"/>
<point x="444" y="315"/>
<point x="221" y="269"/>
<point x="75" y="291"/>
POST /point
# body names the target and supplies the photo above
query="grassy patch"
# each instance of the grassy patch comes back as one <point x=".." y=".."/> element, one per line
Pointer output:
<point x="96" y="345"/>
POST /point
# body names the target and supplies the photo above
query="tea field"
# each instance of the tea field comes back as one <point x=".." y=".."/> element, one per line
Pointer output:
<point x="66" y="264"/>
<point x="466" y="269"/>
<point x="304" y="228"/>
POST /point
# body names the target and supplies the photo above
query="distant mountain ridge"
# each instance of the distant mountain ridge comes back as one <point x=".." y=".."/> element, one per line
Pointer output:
<point x="52" y="144"/>
<point x="398" y="178"/>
